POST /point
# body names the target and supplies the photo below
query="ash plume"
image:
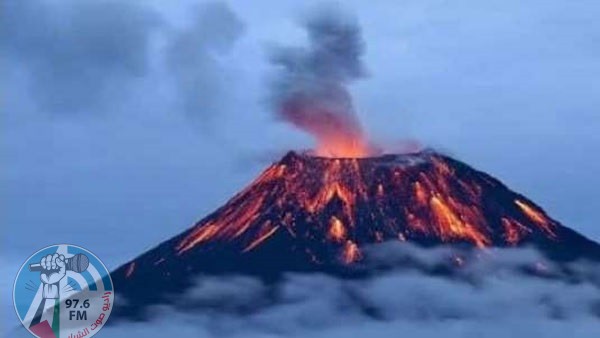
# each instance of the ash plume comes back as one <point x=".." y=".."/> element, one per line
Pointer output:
<point x="311" y="91"/>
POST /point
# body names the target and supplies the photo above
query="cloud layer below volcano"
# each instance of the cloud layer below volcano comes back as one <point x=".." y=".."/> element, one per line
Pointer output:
<point x="491" y="296"/>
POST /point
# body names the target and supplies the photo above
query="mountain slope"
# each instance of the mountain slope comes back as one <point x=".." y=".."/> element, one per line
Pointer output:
<point x="308" y="213"/>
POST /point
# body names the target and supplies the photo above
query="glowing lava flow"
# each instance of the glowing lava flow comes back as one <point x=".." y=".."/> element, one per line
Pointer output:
<point x="333" y="206"/>
<point x="337" y="232"/>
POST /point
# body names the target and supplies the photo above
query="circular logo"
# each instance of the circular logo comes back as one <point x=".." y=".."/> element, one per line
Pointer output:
<point x="63" y="291"/>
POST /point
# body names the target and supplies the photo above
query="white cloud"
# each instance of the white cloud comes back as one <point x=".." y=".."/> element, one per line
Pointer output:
<point x="502" y="301"/>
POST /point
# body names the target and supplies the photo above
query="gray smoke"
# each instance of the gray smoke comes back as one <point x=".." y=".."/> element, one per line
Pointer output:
<point x="77" y="55"/>
<point x="193" y="57"/>
<point x="310" y="90"/>
<point x="333" y="54"/>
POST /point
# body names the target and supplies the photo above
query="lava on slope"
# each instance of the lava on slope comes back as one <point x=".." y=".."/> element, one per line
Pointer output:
<point x="347" y="202"/>
<point x="308" y="213"/>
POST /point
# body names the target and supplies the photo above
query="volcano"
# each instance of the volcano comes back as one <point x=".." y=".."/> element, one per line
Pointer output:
<point x="310" y="213"/>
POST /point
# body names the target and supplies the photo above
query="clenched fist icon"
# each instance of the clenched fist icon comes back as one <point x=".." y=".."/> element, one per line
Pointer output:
<point x="54" y="269"/>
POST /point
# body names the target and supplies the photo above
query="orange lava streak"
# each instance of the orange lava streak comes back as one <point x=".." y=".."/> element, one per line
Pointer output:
<point x="200" y="235"/>
<point x="420" y="193"/>
<point x="351" y="253"/>
<point x="327" y="193"/>
<point x="333" y="186"/>
<point x="337" y="231"/>
<point x="451" y="226"/>
<point x="536" y="216"/>
<point x="275" y="171"/>
<point x="261" y="239"/>
<point x="271" y="173"/>
<point x="234" y="223"/>
<point x="514" y="231"/>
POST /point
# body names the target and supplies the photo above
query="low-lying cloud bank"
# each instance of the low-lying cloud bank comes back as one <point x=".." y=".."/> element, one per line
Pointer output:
<point x="414" y="292"/>
<point x="500" y="293"/>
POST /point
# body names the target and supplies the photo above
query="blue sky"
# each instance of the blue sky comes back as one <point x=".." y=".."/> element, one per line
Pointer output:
<point x="125" y="122"/>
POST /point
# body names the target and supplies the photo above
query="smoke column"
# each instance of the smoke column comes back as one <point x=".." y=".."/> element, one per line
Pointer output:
<point x="310" y="90"/>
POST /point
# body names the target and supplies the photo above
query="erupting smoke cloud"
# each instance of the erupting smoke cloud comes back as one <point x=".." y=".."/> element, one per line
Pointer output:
<point x="311" y="89"/>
